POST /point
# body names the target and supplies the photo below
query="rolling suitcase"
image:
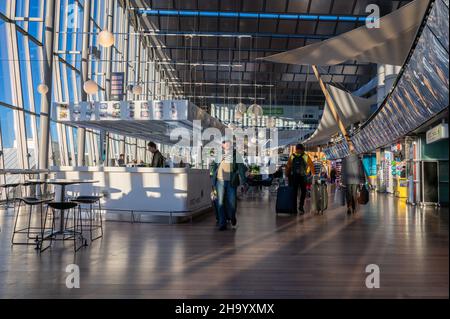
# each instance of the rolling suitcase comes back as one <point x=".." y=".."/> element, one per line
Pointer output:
<point x="284" y="204"/>
<point x="319" y="198"/>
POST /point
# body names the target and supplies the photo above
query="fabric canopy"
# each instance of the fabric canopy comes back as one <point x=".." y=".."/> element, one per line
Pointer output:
<point x="350" y="108"/>
<point x="388" y="44"/>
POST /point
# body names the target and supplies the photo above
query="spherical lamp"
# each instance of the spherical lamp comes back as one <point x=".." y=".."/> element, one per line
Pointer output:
<point x="241" y="108"/>
<point x="106" y="39"/>
<point x="90" y="87"/>
<point x="262" y="134"/>
<point x="137" y="90"/>
<point x="238" y="115"/>
<point x="42" y="89"/>
<point x="255" y="110"/>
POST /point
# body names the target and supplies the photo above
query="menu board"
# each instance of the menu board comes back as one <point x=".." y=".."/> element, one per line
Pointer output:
<point x="167" y="110"/>
<point x="117" y="86"/>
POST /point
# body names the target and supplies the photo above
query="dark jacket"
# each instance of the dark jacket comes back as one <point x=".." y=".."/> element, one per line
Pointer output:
<point x="352" y="170"/>
<point x="158" y="160"/>
<point x="237" y="174"/>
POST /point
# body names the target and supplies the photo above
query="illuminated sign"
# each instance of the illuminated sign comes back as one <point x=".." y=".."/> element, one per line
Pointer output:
<point x="437" y="133"/>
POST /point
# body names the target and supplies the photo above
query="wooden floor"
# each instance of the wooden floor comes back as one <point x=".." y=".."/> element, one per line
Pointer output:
<point x="266" y="257"/>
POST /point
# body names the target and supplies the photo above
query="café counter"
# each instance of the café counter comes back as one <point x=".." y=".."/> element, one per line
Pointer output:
<point x="142" y="194"/>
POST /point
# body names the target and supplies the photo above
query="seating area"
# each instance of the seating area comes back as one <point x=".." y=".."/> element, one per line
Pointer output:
<point x="78" y="219"/>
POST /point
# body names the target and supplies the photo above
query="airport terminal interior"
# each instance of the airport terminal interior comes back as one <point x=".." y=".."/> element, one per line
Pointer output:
<point x="224" y="149"/>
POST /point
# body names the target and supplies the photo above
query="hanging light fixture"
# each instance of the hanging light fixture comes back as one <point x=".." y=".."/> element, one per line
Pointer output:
<point x="262" y="134"/>
<point x="241" y="107"/>
<point x="42" y="89"/>
<point x="255" y="110"/>
<point x="105" y="38"/>
<point x="137" y="90"/>
<point x="238" y="115"/>
<point x="90" y="87"/>
<point x="271" y="122"/>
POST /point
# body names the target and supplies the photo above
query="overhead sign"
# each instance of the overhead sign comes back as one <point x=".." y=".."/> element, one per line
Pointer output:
<point x="437" y="133"/>
<point x="273" y="111"/>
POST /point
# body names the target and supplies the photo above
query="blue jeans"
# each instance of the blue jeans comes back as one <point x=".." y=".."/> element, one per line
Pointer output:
<point x="215" y="206"/>
<point x="226" y="202"/>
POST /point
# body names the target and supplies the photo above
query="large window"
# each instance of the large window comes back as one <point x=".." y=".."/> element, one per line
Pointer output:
<point x="22" y="58"/>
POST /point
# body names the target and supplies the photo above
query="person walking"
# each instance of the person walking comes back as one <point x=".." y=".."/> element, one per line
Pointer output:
<point x="213" y="165"/>
<point x="333" y="175"/>
<point x="227" y="176"/>
<point x="352" y="176"/>
<point x="298" y="166"/>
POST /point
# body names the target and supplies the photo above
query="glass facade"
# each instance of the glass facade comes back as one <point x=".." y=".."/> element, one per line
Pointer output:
<point x="22" y="64"/>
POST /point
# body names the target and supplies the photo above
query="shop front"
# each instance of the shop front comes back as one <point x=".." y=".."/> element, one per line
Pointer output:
<point x="391" y="170"/>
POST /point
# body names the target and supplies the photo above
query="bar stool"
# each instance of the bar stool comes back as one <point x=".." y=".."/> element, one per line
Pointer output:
<point x="75" y="232"/>
<point x="7" y="189"/>
<point x="29" y="230"/>
<point x="94" y="215"/>
<point x="26" y="185"/>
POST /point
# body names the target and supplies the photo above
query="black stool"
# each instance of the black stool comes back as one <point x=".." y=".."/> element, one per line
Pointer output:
<point x="75" y="232"/>
<point x="7" y="188"/>
<point x="29" y="230"/>
<point x="95" y="215"/>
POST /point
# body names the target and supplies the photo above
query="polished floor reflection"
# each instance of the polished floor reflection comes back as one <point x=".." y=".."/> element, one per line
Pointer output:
<point x="266" y="257"/>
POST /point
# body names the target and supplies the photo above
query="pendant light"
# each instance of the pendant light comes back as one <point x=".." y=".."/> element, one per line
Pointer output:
<point x="42" y="89"/>
<point x="255" y="110"/>
<point x="106" y="38"/>
<point x="270" y="119"/>
<point x="137" y="90"/>
<point x="240" y="107"/>
<point x="90" y="87"/>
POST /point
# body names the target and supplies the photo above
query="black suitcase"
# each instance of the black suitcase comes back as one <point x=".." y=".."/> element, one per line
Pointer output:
<point x="285" y="201"/>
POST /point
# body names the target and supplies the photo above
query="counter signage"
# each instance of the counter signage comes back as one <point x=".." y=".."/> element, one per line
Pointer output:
<point x="437" y="133"/>
<point x="167" y="110"/>
<point x="117" y="85"/>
